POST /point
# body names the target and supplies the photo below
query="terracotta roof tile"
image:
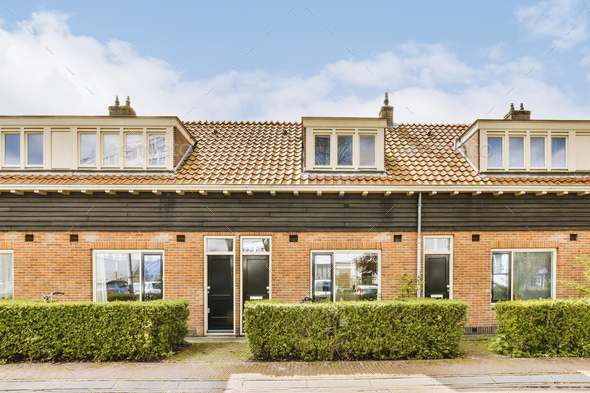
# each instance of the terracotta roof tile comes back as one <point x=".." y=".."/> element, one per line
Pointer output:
<point x="271" y="153"/>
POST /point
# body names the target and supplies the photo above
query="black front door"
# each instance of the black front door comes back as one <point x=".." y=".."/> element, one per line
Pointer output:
<point x="220" y="293"/>
<point x="436" y="276"/>
<point x="255" y="281"/>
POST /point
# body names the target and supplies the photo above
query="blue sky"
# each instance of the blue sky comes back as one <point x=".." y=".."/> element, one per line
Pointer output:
<point x="451" y="61"/>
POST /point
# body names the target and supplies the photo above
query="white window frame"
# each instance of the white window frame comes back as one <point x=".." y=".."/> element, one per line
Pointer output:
<point x="127" y="251"/>
<point x="11" y="252"/>
<point x="97" y="150"/>
<point x="356" y="133"/>
<point x="333" y="252"/>
<point x="527" y="135"/>
<point x="567" y="153"/>
<point x="512" y="251"/>
<point x="450" y="253"/>
<point x="147" y="149"/>
<point x="205" y="270"/>
<point x="26" y="152"/>
<point x="241" y="254"/>
<point x="21" y="149"/>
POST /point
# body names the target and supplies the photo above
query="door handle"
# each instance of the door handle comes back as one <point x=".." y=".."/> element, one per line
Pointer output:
<point x="267" y="289"/>
<point x="448" y="287"/>
<point x="208" y="289"/>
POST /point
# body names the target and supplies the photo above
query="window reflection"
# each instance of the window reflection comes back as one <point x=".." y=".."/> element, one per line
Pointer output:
<point x="367" y="150"/>
<point x="558" y="152"/>
<point x="322" y="150"/>
<point x="87" y="149"/>
<point x="6" y="276"/>
<point x="322" y="286"/>
<point x="356" y="276"/>
<point x="344" y="149"/>
<point x="256" y="245"/>
<point x="133" y="150"/>
<point x="124" y="276"/>
<point x="220" y="245"/>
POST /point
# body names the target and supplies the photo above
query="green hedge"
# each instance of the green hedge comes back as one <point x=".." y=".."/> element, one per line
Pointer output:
<point x="531" y="328"/>
<point x="409" y="329"/>
<point x="33" y="330"/>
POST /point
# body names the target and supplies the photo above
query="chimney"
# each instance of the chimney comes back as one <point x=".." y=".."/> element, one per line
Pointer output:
<point x="387" y="111"/>
<point x="121" y="110"/>
<point x="520" y="114"/>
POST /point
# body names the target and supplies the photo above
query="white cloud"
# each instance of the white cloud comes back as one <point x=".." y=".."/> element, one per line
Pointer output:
<point x="562" y="20"/>
<point x="494" y="53"/>
<point x="428" y="80"/>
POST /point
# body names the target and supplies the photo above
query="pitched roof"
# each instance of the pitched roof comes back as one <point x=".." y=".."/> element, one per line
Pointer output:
<point x="271" y="153"/>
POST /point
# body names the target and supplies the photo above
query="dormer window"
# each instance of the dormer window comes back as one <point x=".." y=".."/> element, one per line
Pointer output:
<point x="344" y="144"/>
<point x="110" y="150"/>
<point x="34" y="149"/>
<point x="525" y="151"/>
<point x="11" y="149"/>
<point x="87" y="149"/>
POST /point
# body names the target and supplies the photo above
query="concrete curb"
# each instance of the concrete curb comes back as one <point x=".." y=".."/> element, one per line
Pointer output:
<point x="183" y="385"/>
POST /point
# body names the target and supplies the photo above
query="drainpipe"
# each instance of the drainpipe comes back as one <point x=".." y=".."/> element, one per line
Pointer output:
<point x="188" y="152"/>
<point x="419" y="242"/>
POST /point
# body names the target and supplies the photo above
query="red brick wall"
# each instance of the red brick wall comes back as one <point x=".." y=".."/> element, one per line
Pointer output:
<point x="181" y="145"/>
<point x="471" y="149"/>
<point x="51" y="263"/>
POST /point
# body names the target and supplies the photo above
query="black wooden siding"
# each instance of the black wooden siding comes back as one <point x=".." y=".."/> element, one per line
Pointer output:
<point x="286" y="212"/>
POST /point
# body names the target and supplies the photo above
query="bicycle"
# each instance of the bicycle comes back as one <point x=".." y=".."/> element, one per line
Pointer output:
<point x="49" y="298"/>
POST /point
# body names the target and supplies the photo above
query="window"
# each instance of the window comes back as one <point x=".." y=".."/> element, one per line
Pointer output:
<point x="516" y="152"/>
<point x="495" y="152"/>
<point x="87" y="149"/>
<point x="11" y="149"/>
<point x="437" y="244"/>
<point x="157" y="149"/>
<point x="345" y="150"/>
<point x="34" y="149"/>
<point x="322" y="150"/>
<point x="110" y="149"/>
<point x="558" y="153"/>
<point x="128" y="276"/>
<point x="6" y="275"/>
<point x="345" y="275"/>
<point x="256" y="245"/>
<point x="220" y="244"/>
<point x="522" y="274"/>
<point x="133" y="150"/>
<point x="537" y="152"/>
<point x="367" y="148"/>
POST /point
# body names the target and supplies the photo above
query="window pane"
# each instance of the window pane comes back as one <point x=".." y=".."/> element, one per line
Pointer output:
<point x="6" y="276"/>
<point x="367" y="150"/>
<point x="558" y="152"/>
<point x="117" y="276"/>
<point x="133" y="150"/>
<point x="152" y="277"/>
<point x="157" y="150"/>
<point x="532" y="275"/>
<point x="256" y="245"/>
<point x="110" y="148"/>
<point x="495" y="152"/>
<point x="322" y="272"/>
<point x="12" y="149"/>
<point x="437" y="244"/>
<point x="88" y="149"/>
<point x="322" y="150"/>
<point x="500" y="277"/>
<point x="220" y="245"/>
<point x="344" y="149"/>
<point x="34" y="149"/>
<point x="356" y="276"/>
<point x="516" y="148"/>
<point x="538" y="152"/>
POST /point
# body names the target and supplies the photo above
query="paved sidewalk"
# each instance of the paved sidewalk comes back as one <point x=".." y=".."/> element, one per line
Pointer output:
<point x="210" y="366"/>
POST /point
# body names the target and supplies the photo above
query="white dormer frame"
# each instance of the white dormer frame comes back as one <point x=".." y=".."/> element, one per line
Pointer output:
<point x="62" y="139"/>
<point x="575" y="132"/>
<point x="335" y="126"/>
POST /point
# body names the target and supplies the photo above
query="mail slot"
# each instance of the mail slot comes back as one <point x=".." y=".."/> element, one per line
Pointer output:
<point x="260" y="297"/>
<point x="437" y="296"/>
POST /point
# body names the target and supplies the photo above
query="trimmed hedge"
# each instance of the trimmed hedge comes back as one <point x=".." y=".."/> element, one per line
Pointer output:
<point x="408" y="329"/>
<point x="34" y="330"/>
<point x="531" y="328"/>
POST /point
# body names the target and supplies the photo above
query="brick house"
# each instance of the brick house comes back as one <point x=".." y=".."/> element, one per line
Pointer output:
<point x="125" y="207"/>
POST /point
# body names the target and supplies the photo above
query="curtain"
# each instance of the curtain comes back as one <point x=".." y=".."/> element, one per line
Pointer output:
<point x="6" y="276"/>
<point x="101" y="278"/>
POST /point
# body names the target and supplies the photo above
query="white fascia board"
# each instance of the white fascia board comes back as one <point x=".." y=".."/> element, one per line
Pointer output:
<point x="307" y="188"/>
